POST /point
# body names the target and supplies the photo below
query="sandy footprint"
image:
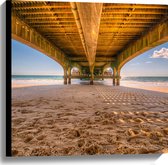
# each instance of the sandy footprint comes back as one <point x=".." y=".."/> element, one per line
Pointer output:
<point x="26" y="111"/>
<point x="28" y="138"/>
<point x="41" y="137"/>
<point x="17" y="121"/>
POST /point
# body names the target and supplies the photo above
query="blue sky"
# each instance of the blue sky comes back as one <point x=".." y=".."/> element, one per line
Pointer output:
<point x="28" y="61"/>
<point x="153" y="62"/>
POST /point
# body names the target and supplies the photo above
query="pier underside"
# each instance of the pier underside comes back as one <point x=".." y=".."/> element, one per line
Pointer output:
<point x="89" y="36"/>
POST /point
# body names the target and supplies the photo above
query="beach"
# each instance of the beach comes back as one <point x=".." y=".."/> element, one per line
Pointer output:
<point x="152" y="86"/>
<point x="81" y="119"/>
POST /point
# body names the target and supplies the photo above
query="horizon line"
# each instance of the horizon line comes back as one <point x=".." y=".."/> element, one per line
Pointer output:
<point x="63" y="75"/>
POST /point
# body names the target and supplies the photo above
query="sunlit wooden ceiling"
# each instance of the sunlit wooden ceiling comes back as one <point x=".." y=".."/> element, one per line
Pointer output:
<point x="120" y="25"/>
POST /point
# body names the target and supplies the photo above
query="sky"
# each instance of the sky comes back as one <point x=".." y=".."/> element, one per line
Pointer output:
<point x="153" y="62"/>
<point x="28" y="61"/>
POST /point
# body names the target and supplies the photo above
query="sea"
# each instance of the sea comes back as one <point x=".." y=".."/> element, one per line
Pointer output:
<point x="37" y="77"/>
<point x="145" y="82"/>
<point x="58" y="80"/>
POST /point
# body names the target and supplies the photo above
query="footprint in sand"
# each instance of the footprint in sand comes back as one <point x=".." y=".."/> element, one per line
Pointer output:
<point x="18" y="121"/>
<point x="156" y="135"/>
<point x="28" y="138"/>
<point x="92" y="149"/>
<point x="123" y="149"/>
<point x="165" y="130"/>
<point x="15" y="152"/>
<point x="25" y="111"/>
<point x="81" y="142"/>
<point x="41" y="137"/>
<point x="73" y="133"/>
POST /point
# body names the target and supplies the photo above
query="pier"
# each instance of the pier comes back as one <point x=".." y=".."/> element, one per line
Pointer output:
<point x="90" y="36"/>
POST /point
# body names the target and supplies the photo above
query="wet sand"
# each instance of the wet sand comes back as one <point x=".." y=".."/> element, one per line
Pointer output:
<point x="86" y="120"/>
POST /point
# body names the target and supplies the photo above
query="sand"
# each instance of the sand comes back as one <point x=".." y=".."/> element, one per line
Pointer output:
<point x="87" y="120"/>
<point x="151" y="86"/>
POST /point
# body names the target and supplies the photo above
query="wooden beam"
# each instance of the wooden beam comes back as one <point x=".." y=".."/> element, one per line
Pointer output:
<point x="97" y="58"/>
<point x="56" y="22"/>
<point x="60" y="33"/>
<point x="54" y="26"/>
<point x="128" y="21"/>
<point x="97" y="64"/>
<point x="137" y="6"/>
<point x="37" y="3"/>
<point x="90" y="14"/>
<point x="108" y="17"/>
<point x="51" y="20"/>
<point x="127" y="30"/>
<point x="47" y="16"/>
<point x="29" y="12"/>
<point x="135" y="12"/>
<point x="40" y="7"/>
<point x="124" y="26"/>
<point x="133" y="17"/>
<point x="68" y="30"/>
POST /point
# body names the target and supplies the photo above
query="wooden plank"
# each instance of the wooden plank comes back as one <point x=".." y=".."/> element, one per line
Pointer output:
<point x="136" y="6"/>
<point x="42" y="12"/>
<point x="40" y="7"/>
<point x="90" y="14"/>
<point x="135" y="12"/>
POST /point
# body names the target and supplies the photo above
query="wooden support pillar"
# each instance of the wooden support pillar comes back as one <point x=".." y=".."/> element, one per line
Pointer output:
<point x="113" y="81"/>
<point x="118" y="78"/>
<point x="92" y="75"/>
<point x="80" y="73"/>
<point x="65" y="76"/>
<point x="91" y="78"/>
<point x="69" y="75"/>
<point x="114" y="76"/>
<point x="69" y="80"/>
<point x="65" y="80"/>
<point x="102" y="75"/>
<point x="118" y="82"/>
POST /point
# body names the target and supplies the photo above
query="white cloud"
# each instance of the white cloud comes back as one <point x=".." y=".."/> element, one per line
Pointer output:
<point x="148" y="62"/>
<point x="162" y="53"/>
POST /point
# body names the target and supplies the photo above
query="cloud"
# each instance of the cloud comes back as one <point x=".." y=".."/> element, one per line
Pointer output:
<point x="148" y="62"/>
<point x="162" y="53"/>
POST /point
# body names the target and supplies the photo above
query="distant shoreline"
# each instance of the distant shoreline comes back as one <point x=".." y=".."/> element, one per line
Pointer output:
<point x="60" y="77"/>
<point x="152" y="86"/>
<point x="152" y="83"/>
